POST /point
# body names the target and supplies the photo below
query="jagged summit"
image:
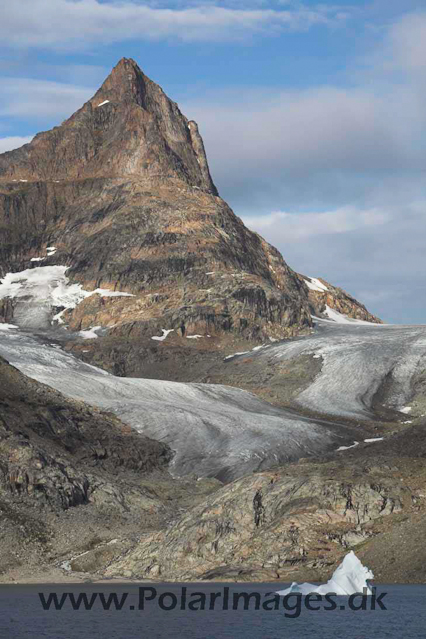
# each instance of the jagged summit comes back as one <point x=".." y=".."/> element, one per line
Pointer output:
<point x="122" y="191"/>
<point x="129" y="128"/>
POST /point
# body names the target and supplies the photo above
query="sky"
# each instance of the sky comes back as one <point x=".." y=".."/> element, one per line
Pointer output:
<point x="313" y="115"/>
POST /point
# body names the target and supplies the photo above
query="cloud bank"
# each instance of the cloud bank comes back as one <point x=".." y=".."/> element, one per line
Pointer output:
<point x="13" y="142"/>
<point x="72" y="24"/>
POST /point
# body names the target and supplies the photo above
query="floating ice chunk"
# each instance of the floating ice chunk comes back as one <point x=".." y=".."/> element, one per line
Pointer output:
<point x="348" y="447"/>
<point x="349" y="578"/>
<point x="102" y="103"/>
<point x="164" y="335"/>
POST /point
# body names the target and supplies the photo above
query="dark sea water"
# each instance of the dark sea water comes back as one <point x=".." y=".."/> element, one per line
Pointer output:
<point x="22" y="615"/>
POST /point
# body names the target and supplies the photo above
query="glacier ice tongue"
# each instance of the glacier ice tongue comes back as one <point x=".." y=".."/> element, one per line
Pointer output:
<point x="349" y="578"/>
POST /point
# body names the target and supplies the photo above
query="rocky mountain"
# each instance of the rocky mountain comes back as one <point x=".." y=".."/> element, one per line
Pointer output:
<point x="123" y="193"/>
<point x="116" y="247"/>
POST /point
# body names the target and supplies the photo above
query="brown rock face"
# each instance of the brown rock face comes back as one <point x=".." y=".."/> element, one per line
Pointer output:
<point x="129" y="127"/>
<point x="122" y="189"/>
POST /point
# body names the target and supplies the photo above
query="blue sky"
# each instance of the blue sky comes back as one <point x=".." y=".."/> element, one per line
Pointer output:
<point x="313" y="116"/>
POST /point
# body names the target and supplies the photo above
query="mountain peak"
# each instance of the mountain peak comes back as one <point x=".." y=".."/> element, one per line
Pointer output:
<point x="128" y="128"/>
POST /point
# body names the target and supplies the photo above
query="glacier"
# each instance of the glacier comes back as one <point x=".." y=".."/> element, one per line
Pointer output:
<point x="357" y="359"/>
<point x="214" y="430"/>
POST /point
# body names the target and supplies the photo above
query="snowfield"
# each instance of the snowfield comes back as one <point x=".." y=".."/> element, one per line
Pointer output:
<point x="37" y="291"/>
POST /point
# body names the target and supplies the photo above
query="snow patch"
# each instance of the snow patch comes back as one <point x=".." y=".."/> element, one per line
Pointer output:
<point x="45" y="287"/>
<point x="194" y="336"/>
<point x="315" y="285"/>
<point x="7" y="327"/>
<point x="405" y="410"/>
<point x="90" y="333"/>
<point x="339" y="318"/>
<point x="102" y="103"/>
<point x="235" y="354"/>
<point x="164" y="335"/>
<point x="374" y="439"/>
<point x="348" y="447"/>
<point x="105" y="292"/>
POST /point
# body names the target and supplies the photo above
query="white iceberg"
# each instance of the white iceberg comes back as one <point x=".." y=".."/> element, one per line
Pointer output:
<point x="349" y="578"/>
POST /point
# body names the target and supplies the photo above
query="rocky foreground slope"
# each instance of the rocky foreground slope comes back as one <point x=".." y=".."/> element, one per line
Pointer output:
<point x="74" y="478"/>
<point x="297" y="522"/>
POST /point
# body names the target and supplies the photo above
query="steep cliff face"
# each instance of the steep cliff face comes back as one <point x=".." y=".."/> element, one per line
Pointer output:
<point x="129" y="127"/>
<point x="123" y="192"/>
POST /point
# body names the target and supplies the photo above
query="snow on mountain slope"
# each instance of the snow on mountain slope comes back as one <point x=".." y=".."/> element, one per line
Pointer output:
<point x="340" y="318"/>
<point x="37" y="291"/>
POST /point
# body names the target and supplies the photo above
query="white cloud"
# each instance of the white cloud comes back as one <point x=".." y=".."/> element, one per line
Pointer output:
<point x="69" y="24"/>
<point x="13" y="142"/>
<point x="407" y="42"/>
<point x="23" y="97"/>
<point x="329" y="145"/>
<point x="287" y="227"/>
